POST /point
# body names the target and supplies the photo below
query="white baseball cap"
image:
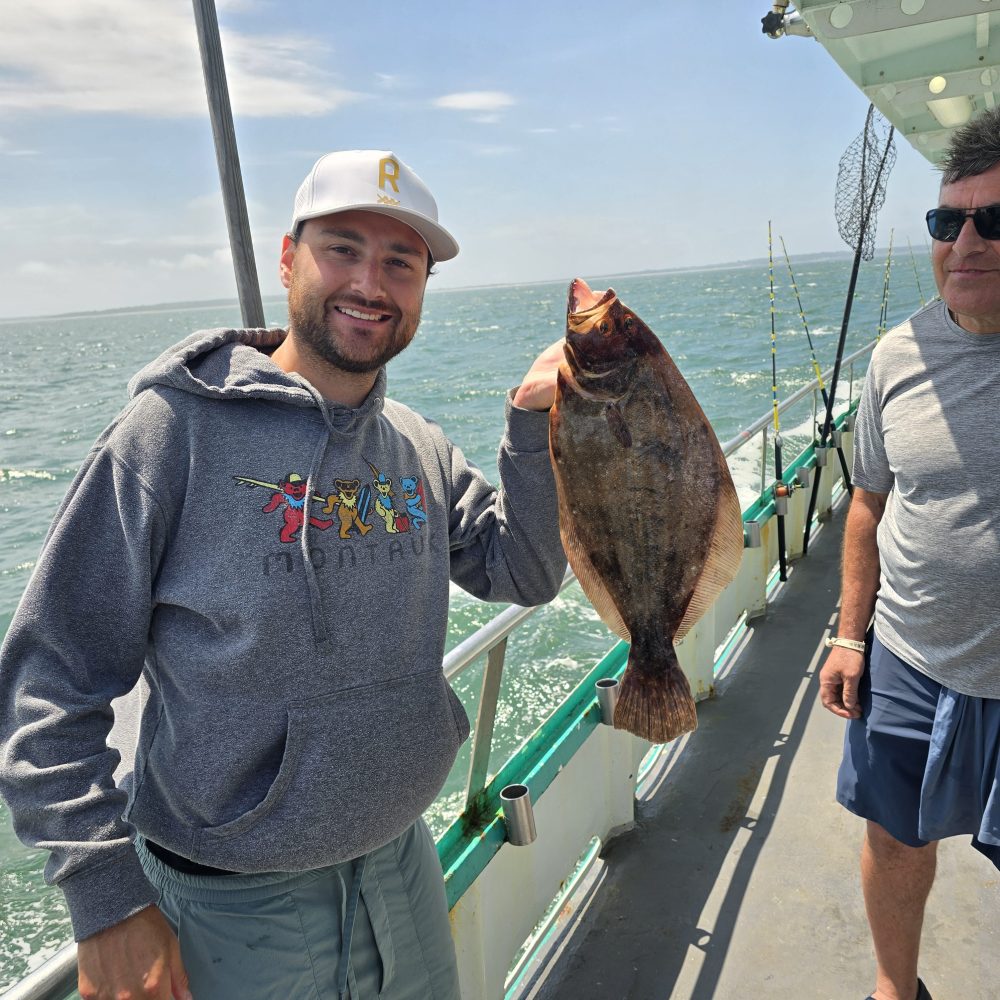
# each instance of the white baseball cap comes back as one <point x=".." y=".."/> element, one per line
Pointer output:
<point x="372" y="180"/>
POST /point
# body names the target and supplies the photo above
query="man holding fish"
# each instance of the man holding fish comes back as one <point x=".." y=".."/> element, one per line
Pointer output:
<point x="295" y="721"/>
<point x="921" y="686"/>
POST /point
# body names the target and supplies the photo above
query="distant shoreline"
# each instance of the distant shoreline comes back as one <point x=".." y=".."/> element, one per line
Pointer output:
<point x="193" y="305"/>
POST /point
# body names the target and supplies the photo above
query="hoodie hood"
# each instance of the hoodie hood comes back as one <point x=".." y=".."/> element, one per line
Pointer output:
<point x="236" y="364"/>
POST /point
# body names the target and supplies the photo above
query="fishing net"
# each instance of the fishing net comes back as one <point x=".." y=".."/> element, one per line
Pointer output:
<point x="861" y="179"/>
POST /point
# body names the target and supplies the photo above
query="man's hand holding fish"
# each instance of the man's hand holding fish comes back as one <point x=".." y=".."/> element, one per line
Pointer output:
<point x="538" y="390"/>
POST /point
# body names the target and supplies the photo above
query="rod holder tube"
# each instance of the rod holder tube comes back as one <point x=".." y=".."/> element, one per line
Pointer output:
<point x="781" y="506"/>
<point x="519" y="817"/>
<point x="820" y="456"/>
<point x="804" y="475"/>
<point x="608" y="690"/>
<point x="751" y="534"/>
<point x="838" y="439"/>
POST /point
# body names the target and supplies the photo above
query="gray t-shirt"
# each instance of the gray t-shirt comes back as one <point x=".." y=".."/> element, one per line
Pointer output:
<point x="927" y="434"/>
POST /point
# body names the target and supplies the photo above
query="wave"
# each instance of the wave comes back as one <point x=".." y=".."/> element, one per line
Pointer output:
<point x="25" y="474"/>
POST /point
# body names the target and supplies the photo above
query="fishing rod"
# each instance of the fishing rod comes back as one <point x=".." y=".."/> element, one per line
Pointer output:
<point x="780" y="490"/>
<point x="883" y="315"/>
<point x="817" y="371"/>
<point x="860" y="195"/>
<point x="913" y="261"/>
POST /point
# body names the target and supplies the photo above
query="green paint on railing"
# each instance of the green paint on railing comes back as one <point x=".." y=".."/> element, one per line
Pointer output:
<point x="466" y="847"/>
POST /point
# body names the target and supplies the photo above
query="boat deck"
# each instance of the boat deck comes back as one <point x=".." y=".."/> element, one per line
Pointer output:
<point x="741" y="879"/>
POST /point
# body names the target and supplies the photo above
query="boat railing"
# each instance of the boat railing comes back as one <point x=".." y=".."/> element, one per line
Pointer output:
<point x="55" y="979"/>
<point x="762" y="425"/>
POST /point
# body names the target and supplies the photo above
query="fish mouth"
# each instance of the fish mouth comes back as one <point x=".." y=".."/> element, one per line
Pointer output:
<point x="583" y="301"/>
<point x="592" y="347"/>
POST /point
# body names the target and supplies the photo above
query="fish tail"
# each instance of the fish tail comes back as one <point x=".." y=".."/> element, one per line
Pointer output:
<point x="655" y="702"/>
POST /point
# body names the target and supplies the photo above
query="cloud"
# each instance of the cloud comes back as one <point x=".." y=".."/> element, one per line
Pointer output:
<point x="494" y="150"/>
<point x="56" y="219"/>
<point x="475" y="100"/>
<point x="35" y="267"/>
<point x="194" y="261"/>
<point x="6" y="150"/>
<point x="390" y="81"/>
<point x="141" y="57"/>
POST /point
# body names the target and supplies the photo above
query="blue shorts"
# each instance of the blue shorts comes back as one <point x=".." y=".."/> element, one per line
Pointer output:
<point x="281" y="934"/>
<point x="923" y="761"/>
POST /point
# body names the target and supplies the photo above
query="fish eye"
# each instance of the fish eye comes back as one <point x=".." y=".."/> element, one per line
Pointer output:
<point x="603" y="328"/>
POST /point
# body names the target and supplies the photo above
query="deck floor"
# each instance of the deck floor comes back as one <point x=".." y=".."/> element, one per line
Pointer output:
<point x="740" y="879"/>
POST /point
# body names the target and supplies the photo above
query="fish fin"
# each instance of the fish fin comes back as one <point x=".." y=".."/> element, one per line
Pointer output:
<point x="656" y="704"/>
<point x="723" y="560"/>
<point x="596" y="592"/>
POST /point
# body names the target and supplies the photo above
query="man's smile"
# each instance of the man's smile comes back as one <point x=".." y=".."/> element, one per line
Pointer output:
<point x="971" y="272"/>
<point x="361" y="314"/>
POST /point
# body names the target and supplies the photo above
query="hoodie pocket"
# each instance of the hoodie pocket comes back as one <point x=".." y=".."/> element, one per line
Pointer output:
<point x="359" y="767"/>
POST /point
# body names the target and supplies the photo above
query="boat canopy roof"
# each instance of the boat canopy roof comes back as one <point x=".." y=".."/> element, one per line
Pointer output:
<point x="927" y="65"/>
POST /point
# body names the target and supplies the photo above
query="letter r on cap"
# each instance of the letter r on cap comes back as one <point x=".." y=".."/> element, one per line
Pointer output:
<point x="388" y="170"/>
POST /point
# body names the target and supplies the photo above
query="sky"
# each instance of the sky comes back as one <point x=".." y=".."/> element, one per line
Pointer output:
<point x="559" y="139"/>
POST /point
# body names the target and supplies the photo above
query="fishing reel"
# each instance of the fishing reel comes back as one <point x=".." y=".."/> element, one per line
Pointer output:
<point x="781" y="493"/>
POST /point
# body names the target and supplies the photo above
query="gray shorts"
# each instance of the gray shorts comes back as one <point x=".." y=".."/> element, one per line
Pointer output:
<point x="280" y="934"/>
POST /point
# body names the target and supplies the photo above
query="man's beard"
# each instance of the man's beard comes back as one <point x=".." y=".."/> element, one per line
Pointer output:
<point x="307" y="317"/>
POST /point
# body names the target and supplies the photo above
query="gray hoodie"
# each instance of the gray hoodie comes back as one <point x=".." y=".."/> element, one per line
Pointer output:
<point x="273" y="570"/>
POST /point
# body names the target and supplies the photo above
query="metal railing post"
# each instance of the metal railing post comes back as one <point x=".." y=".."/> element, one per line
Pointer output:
<point x="482" y="740"/>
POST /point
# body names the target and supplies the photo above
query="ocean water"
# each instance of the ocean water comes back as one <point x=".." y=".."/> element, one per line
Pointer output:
<point x="63" y="378"/>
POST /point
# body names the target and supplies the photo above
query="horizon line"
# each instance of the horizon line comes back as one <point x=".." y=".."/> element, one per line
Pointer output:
<point x="192" y="305"/>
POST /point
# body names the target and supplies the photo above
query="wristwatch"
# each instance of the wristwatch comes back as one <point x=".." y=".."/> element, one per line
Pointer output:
<point x="855" y="644"/>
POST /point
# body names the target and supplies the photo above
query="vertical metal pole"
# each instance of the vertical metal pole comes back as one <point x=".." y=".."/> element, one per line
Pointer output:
<point x="482" y="742"/>
<point x="229" y="163"/>
<point x="763" y="460"/>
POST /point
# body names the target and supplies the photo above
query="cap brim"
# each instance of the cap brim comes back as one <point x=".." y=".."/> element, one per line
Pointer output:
<point x="440" y="242"/>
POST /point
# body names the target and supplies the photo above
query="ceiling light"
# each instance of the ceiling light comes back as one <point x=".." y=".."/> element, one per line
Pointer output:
<point x="951" y="111"/>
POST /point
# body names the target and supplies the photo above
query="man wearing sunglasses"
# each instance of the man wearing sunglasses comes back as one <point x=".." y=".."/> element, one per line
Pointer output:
<point x="921" y="686"/>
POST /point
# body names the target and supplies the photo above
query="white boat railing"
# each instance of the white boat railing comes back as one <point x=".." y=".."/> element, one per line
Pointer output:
<point x="761" y="425"/>
<point x="55" y="979"/>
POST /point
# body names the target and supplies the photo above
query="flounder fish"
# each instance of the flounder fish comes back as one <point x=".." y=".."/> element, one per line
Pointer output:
<point x="648" y="513"/>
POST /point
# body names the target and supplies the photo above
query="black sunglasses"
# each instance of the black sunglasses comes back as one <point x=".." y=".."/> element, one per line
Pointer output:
<point x="945" y="224"/>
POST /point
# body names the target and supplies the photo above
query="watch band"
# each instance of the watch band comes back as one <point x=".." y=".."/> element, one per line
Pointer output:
<point x="834" y="640"/>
